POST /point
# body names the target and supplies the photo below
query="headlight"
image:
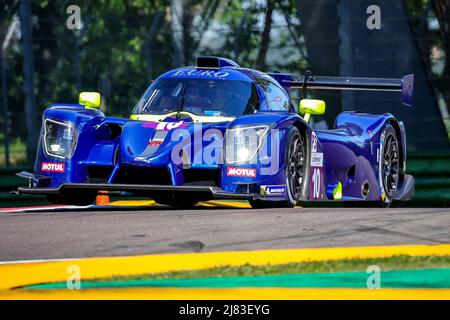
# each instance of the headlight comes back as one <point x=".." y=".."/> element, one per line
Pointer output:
<point x="243" y="143"/>
<point x="60" y="138"/>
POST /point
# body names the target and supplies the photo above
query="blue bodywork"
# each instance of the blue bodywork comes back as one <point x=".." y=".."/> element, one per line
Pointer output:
<point x="119" y="152"/>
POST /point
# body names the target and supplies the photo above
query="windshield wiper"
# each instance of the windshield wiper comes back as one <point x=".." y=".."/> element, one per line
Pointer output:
<point x="181" y="91"/>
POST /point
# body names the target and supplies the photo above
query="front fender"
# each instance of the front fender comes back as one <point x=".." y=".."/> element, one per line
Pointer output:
<point x="92" y="142"/>
<point x="315" y="177"/>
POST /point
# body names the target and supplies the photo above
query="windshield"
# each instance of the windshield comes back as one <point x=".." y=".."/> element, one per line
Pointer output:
<point x="203" y="97"/>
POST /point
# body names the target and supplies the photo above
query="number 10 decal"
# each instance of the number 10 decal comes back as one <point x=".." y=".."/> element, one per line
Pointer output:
<point x="316" y="183"/>
<point x="316" y="174"/>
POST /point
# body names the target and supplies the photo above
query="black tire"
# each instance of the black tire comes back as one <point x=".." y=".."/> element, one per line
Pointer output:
<point x="185" y="201"/>
<point x="73" y="200"/>
<point x="389" y="165"/>
<point x="295" y="173"/>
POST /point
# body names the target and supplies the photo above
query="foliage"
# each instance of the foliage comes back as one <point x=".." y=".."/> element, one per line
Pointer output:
<point x="112" y="47"/>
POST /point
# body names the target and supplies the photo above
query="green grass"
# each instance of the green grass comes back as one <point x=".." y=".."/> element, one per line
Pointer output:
<point x="17" y="152"/>
<point x="399" y="262"/>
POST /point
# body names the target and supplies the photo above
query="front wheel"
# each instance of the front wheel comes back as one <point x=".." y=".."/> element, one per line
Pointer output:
<point x="295" y="173"/>
<point x="176" y="200"/>
<point x="73" y="199"/>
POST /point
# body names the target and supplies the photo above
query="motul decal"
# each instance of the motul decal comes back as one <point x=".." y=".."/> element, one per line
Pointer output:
<point x="53" y="167"/>
<point x="241" y="172"/>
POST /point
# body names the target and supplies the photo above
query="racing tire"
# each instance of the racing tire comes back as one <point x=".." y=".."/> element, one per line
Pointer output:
<point x="176" y="200"/>
<point x="295" y="173"/>
<point x="389" y="165"/>
<point x="389" y="172"/>
<point x="73" y="200"/>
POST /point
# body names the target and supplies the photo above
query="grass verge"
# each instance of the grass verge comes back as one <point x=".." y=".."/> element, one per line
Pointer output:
<point x="400" y="262"/>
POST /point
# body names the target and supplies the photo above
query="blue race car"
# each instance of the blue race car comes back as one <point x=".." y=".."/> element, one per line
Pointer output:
<point x="217" y="130"/>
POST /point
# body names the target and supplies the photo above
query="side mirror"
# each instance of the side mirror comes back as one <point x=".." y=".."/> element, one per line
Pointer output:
<point x="310" y="107"/>
<point x="90" y="99"/>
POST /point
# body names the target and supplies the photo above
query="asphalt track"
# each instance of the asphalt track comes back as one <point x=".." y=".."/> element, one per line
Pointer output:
<point x="122" y="232"/>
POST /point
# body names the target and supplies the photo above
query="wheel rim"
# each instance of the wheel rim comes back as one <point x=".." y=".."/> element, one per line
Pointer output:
<point x="390" y="166"/>
<point x="295" y="167"/>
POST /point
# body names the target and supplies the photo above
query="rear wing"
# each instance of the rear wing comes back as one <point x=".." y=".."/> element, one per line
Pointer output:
<point x="404" y="85"/>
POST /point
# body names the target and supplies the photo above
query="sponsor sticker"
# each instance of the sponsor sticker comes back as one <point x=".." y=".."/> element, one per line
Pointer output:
<point x="316" y="159"/>
<point x="155" y="142"/>
<point x="278" y="190"/>
<point x="241" y="172"/>
<point x="201" y="73"/>
<point x="165" y="126"/>
<point x="313" y="142"/>
<point x="53" y="167"/>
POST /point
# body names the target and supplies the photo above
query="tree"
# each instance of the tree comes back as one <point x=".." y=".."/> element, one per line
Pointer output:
<point x="128" y="42"/>
<point x="265" y="37"/>
<point x="442" y="11"/>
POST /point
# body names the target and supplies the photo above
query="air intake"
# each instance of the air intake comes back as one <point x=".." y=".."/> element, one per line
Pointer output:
<point x="209" y="62"/>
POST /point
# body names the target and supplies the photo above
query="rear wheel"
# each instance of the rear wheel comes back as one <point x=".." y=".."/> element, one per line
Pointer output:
<point x="389" y="172"/>
<point x="390" y="165"/>
<point x="295" y="172"/>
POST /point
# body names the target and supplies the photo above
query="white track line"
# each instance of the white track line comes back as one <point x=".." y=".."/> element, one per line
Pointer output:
<point x="36" y="261"/>
<point x="40" y="208"/>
